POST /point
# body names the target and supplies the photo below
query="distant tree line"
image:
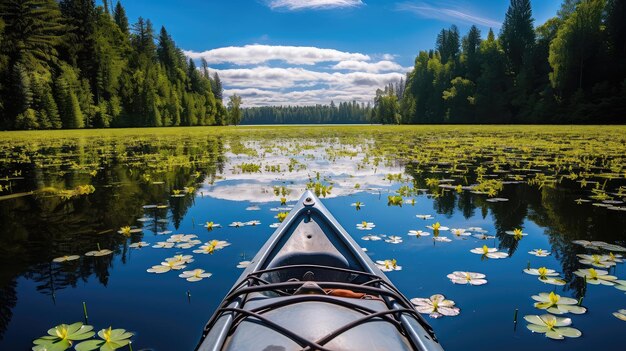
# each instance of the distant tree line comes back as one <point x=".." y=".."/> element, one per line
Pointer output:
<point x="70" y="64"/>
<point x="345" y="112"/>
<point x="571" y="69"/>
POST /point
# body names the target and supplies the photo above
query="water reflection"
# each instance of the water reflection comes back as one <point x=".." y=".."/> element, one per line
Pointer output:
<point x="129" y="174"/>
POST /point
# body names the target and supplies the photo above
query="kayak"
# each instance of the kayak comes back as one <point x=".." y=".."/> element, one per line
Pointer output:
<point x="312" y="287"/>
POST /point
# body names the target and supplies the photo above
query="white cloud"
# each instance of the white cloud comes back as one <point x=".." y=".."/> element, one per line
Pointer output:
<point x="303" y="75"/>
<point x="449" y="14"/>
<point x="293" y="5"/>
<point x="258" y="54"/>
<point x="380" y="66"/>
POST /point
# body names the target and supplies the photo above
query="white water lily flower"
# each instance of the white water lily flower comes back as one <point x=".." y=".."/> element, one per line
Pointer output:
<point x="99" y="253"/>
<point x="483" y="236"/>
<point x="557" y="304"/>
<point x="489" y="252"/>
<point x="613" y="247"/>
<point x="472" y="278"/>
<point x="460" y="232"/>
<point x="210" y="225"/>
<point x="166" y="267"/>
<point x="393" y="239"/>
<point x="357" y="204"/>
<point x="253" y="223"/>
<point x="441" y="239"/>
<point x="165" y="232"/>
<point x="539" y="253"/>
<point x="545" y="275"/>
<point x="365" y="225"/>
<point x="66" y="258"/>
<point x="620" y="285"/>
<point x="595" y="245"/>
<point x="180" y="258"/>
<point x="621" y="314"/>
<point x="418" y="233"/>
<point x="180" y="238"/>
<point x="189" y="244"/>
<point x="596" y="276"/>
<point x="422" y="216"/>
<point x="602" y="261"/>
<point x="554" y="327"/>
<point x="211" y="246"/>
<point x="437" y="227"/>
<point x="194" y="276"/>
<point x="517" y="233"/>
<point x="163" y="245"/>
<point x="476" y="230"/>
<point x="388" y="265"/>
<point x="274" y="225"/>
<point x="237" y="224"/>
<point x="243" y="264"/>
<point x="371" y="237"/>
<point x="138" y="245"/>
<point x="436" y="306"/>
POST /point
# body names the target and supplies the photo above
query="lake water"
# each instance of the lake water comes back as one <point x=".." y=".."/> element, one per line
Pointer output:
<point x="68" y="193"/>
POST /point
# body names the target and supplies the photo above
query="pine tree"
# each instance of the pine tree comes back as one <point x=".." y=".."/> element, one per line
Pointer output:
<point x="119" y="15"/>
<point x="517" y="37"/>
<point x="217" y="89"/>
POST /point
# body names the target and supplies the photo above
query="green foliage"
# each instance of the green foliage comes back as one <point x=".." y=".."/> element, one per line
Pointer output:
<point x="73" y="65"/>
<point x="234" y="109"/>
<point x="344" y="112"/>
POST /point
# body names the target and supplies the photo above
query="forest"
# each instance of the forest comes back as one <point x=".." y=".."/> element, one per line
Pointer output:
<point x="345" y="112"/>
<point x="570" y="69"/>
<point x="71" y="64"/>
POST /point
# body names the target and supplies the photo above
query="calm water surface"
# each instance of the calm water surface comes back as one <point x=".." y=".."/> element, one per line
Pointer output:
<point x="47" y="211"/>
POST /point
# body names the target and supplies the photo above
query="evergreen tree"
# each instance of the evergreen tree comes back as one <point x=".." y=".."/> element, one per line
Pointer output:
<point x="234" y="109"/>
<point x="217" y="89"/>
<point x="517" y="37"/>
<point x="119" y="15"/>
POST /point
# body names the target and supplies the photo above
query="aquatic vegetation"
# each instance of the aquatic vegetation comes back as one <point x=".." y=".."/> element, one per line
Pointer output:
<point x="539" y="253"/>
<point x="281" y="216"/>
<point x="195" y="276"/>
<point x="211" y="246"/>
<point x="180" y="238"/>
<point x="243" y="264"/>
<point x="112" y="339"/>
<point x="163" y="245"/>
<point x="395" y="200"/>
<point x="424" y="216"/>
<point x="63" y="336"/>
<point x="66" y="258"/>
<point x="557" y="304"/>
<point x="460" y="232"/>
<point x="166" y="266"/>
<point x="436" y="227"/>
<point x="357" y="205"/>
<point x="517" y="233"/>
<point x="483" y="236"/>
<point x="545" y="275"/>
<point x="597" y="245"/>
<point x="365" y="225"/>
<point x="98" y="253"/>
<point x="127" y="231"/>
<point x="418" y="233"/>
<point x="211" y="225"/>
<point x="554" y="327"/>
<point x="138" y="245"/>
<point x="253" y="223"/>
<point x="621" y="314"/>
<point x="388" y="265"/>
<point x="442" y="239"/>
<point x="596" y="276"/>
<point x="180" y="258"/>
<point x="436" y="306"/>
<point x="393" y="239"/>
<point x="601" y="261"/>
<point x="471" y="278"/>
<point x="237" y="224"/>
<point x="371" y="237"/>
<point x="489" y="252"/>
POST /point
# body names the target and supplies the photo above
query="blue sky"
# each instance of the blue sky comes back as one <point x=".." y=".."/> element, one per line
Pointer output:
<point x="275" y="52"/>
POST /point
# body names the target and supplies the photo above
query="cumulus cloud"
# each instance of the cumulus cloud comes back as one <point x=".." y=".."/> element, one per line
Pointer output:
<point x="452" y="13"/>
<point x="258" y="54"/>
<point x="294" y="5"/>
<point x="380" y="66"/>
<point x="267" y="75"/>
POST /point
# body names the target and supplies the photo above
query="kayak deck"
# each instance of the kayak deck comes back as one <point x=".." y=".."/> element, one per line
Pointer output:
<point x="311" y="287"/>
